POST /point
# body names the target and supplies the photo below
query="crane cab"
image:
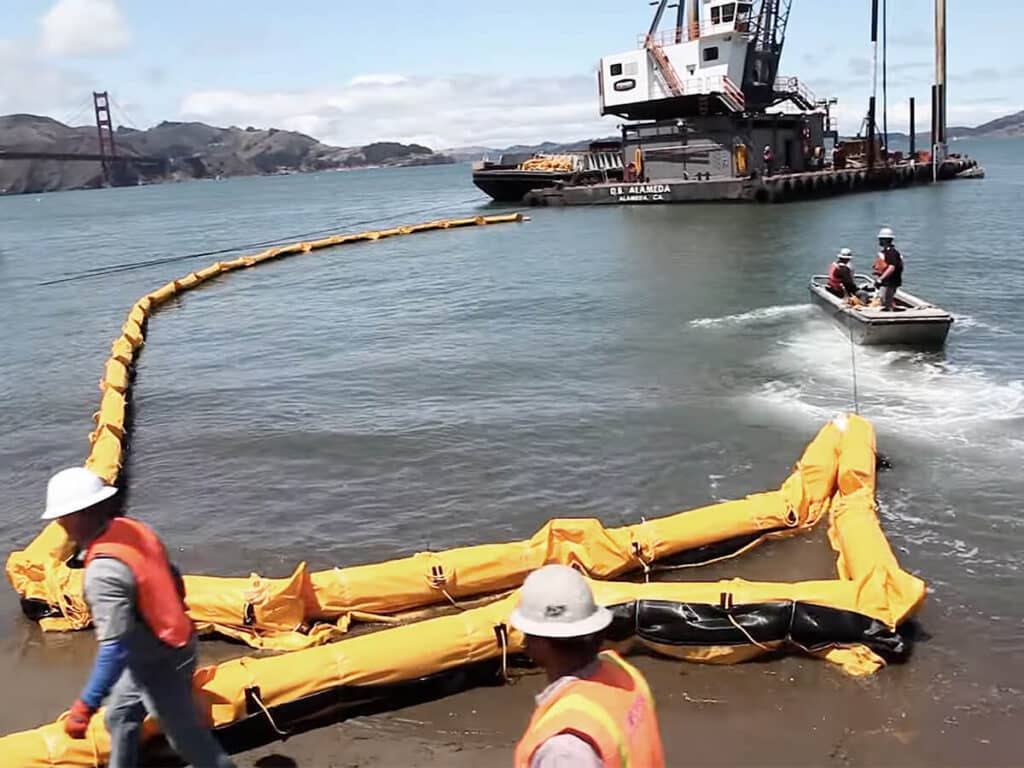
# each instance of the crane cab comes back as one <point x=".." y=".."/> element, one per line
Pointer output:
<point x="692" y="69"/>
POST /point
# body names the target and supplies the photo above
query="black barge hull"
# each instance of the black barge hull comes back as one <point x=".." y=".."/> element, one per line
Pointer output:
<point x="512" y="185"/>
<point x="773" y="189"/>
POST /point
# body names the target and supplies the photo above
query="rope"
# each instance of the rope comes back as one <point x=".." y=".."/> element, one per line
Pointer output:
<point x="270" y="717"/>
<point x="450" y="598"/>
<point x="638" y="551"/>
<point x="284" y="240"/>
<point x="746" y="634"/>
<point x="853" y="358"/>
<point x="853" y="368"/>
<point x="503" y="641"/>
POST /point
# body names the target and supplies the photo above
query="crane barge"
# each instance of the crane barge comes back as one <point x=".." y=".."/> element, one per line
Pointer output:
<point x="710" y="118"/>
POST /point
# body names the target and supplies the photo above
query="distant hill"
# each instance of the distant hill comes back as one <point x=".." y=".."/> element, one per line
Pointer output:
<point x="551" y="147"/>
<point x="198" y="150"/>
<point x="1008" y="127"/>
<point x="1004" y="127"/>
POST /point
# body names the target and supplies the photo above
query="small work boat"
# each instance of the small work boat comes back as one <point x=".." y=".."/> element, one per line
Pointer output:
<point x="974" y="172"/>
<point x="913" y="322"/>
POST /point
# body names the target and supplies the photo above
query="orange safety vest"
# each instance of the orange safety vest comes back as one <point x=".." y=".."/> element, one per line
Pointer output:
<point x="613" y="711"/>
<point x="834" y="283"/>
<point x="157" y="598"/>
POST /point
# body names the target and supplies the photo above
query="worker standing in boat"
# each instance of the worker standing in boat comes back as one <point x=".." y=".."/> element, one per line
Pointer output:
<point x="888" y="268"/>
<point x="597" y="710"/>
<point x="840" y="276"/>
<point x="147" y="642"/>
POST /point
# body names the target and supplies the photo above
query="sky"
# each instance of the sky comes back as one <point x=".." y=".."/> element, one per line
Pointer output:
<point x="449" y="73"/>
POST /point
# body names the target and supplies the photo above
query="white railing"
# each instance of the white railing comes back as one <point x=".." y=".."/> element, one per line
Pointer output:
<point x="685" y="34"/>
<point x="793" y="85"/>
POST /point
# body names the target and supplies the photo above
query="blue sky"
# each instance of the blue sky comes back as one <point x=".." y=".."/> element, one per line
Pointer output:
<point x="449" y="72"/>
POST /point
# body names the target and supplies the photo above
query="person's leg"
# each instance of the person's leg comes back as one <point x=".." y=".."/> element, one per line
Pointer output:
<point x="888" y="296"/>
<point x="168" y="696"/>
<point x="124" y="715"/>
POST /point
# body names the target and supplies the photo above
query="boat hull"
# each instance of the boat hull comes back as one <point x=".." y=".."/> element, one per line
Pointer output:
<point x="510" y="185"/>
<point x="925" y="327"/>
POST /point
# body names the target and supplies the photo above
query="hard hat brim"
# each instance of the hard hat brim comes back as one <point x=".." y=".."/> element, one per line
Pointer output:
<point x="63" y="510"/>
<point x="601" y="618"/>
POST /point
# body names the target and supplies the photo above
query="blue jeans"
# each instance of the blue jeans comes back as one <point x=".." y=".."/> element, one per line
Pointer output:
<point x="163" y="688"/>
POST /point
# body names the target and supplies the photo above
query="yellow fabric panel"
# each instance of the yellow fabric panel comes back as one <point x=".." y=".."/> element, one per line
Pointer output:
<point x="855" y="660"/>
<point x="276" y="605"/>
<point x="324" y="242"/>
<point x="105" y="456"/>
<point x="711" y="654"/>
<point x="137" y="315"/>
<point x="145" y="304"/>
<point x="111" y="414"/>
<point x="865" y="558"/>
<point x="210" y="272"/>
<point x="132" y="331"/>
<point x="287" y="250"/>
<point x="857" y="457"/>
<point x="188" y="281"/>
<point x="268" y="255"/>
<point x="240" y="263"/>
<point x="29" y="569"/>
<point x="163" y="293"/>
<point x="123" y="350"/>
<point x="115" y="376"/>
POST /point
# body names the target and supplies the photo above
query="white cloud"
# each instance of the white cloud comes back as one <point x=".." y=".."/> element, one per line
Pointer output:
<point x="437" y="111"/>
<point x="37" y="86"/>
<point x="84" y="28"/>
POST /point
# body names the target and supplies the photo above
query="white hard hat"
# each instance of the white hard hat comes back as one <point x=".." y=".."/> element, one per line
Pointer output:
<point x="845" y="254"/>
<point x="886" y="233"/>
<point x="72" y="490"/>
<point x="556" y="601"/>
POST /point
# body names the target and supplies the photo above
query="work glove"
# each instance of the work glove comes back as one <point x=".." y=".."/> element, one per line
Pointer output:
<point x="77" y="724"/>
<point x="877" y="284"/>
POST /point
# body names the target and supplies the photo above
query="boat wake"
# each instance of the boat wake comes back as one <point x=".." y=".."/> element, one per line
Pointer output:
<point x="965" y="322"/>
<point x="916" y="393"/>
<point x="753" y="316"/>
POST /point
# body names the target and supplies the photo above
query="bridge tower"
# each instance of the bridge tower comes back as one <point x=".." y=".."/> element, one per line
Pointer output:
<point x="105" y="131"/>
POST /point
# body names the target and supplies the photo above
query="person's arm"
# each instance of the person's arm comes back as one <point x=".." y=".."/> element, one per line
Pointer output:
<point x="566" y="750"/>
<point x="110" y="592"/>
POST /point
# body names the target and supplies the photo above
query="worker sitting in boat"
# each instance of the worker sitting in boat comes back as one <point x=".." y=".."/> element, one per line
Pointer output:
<point x="840" y="277"/>
<point x="888" y="268"/>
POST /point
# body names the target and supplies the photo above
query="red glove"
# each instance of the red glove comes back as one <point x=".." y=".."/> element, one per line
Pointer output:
<point x="77" y="723"/>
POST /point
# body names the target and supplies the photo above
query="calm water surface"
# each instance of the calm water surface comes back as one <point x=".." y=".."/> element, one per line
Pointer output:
<point x="465" y="386"/>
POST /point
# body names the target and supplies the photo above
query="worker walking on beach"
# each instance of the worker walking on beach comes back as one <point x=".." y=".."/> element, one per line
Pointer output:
<point x="597" y="710"/>
<point x="147" y="644"/>
<point x="888" y="268"/>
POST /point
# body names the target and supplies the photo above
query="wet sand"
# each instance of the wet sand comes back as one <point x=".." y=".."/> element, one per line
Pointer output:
<point x="934" y="710"/>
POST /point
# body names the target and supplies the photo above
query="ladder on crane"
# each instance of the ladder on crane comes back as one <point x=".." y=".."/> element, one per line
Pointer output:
<point x="664" y="66"/>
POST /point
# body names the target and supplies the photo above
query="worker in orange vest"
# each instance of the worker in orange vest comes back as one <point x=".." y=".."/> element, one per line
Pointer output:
<point x="597" y="711"/>
<point x="147" y="648"/>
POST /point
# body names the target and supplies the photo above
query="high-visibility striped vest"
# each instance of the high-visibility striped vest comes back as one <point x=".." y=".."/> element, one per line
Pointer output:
<point x="612" y="710"/>
<point x="157" y="599"/>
